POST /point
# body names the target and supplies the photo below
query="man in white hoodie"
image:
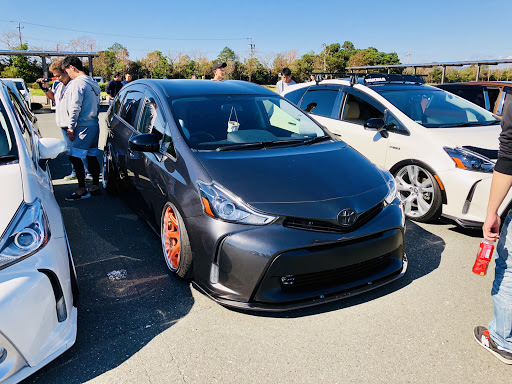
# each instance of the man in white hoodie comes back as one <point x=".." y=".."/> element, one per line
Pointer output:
<point x="83" y="127"/>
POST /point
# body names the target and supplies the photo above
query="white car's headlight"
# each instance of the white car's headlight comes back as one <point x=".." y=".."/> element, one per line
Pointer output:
<point x="222" y="204"/>
<point x="392" y="188"/>
<point x="27" y="232"/>
<point x="471" y="161"/>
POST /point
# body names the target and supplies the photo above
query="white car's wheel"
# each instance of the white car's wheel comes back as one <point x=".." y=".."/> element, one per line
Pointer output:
<point x="419" y="192"/>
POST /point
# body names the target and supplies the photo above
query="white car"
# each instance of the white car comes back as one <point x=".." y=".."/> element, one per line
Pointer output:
<point x="24" y="90"/>
<point x="440" y="148"/>
<point x="38" y="287"/>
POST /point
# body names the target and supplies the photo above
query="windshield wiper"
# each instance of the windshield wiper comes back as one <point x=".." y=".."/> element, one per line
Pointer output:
<point x="261" y="144"/>
<point x="468" y="124"/>
<point x="316" y="139"/>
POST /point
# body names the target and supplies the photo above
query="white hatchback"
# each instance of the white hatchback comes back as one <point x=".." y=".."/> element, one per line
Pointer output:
<point x="38" y="287"/>
<point x="440" y="148"/>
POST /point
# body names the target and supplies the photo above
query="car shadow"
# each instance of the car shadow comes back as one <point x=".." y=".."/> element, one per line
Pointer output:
<point x="423" y="256"/>
<point x="127" y="295"/>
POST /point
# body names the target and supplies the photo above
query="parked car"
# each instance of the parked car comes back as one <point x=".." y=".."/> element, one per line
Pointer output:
<point x="98" y="79"/>
<point x="24" y="90"/>
<point x="441" y="148"/>
<point x="486" y="94"/>
<point x="38" y="288"/>
<point x="53" y="106"/>
<point x="250" y="196"/>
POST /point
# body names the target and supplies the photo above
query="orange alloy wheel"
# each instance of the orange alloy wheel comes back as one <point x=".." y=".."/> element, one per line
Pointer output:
<point x="172" y="238"/>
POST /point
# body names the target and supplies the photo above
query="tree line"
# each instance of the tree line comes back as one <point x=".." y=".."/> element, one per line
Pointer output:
<point x="261" y="69"/>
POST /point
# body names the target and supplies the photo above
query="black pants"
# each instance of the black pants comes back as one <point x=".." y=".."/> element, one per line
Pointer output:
<point x="94" y="168"/>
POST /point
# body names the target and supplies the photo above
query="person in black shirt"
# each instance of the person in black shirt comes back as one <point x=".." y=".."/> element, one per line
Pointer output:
<point x="498" y="337"/>
<point x="113" y="87"/>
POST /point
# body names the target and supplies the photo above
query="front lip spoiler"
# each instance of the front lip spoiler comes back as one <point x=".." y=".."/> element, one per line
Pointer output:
<point x="263" y="307"/>
<point x="468" y="224"/>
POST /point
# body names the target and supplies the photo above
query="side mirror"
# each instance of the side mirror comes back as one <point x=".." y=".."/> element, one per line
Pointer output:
<point x="50" y="148"/>
<point x="145" y="142"/>
<point x="378" y="125"/>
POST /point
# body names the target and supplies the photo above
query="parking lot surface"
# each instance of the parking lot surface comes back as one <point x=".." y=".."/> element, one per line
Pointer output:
<point x="137" y="323"/>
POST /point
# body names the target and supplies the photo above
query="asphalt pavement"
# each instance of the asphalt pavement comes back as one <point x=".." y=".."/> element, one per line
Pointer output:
<point x="137" y="323"/>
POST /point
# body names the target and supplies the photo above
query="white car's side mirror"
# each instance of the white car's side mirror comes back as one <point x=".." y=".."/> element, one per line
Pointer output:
<point x="50" y="148"/>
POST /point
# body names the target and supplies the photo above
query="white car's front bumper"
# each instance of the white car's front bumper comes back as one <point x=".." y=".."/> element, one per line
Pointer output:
<point x="467" y="195"/>
<point x="31" y="334"/>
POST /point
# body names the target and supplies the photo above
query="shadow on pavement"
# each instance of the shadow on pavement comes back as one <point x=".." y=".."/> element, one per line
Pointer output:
<point x="127" y="294"/>
<point x="424" y="250"/>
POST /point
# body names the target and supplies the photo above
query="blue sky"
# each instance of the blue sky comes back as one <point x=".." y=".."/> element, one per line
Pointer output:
<point x="431" y="30"/>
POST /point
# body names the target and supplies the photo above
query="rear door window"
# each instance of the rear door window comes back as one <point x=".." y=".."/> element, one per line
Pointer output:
<point x="320" y="101"/>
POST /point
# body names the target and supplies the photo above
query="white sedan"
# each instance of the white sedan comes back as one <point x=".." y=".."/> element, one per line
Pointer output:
<point x="38" y="288"/>
<point x="440" y="148"/>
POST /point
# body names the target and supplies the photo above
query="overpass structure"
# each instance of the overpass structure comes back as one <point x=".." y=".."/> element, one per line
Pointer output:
<point x="48" y="54"/>
<point x="443" y="65"/>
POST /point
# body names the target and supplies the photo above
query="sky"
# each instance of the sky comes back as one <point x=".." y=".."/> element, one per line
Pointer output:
<point x="419" y="32"/>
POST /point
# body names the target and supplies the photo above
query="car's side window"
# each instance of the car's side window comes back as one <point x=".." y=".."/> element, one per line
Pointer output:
<point x="319" y="101"/>
<point x="130" y="107"/>
<point x="295" y="96"/>
<point x="358" y="109"/>
<point x="24" y="125"/>
<point x="499" y="110"/>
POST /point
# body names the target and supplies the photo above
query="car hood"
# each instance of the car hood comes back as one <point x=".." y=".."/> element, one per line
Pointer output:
<point x="11" y="196"/>
<point x="314" y="181"/>
<point x="480" y="137"/>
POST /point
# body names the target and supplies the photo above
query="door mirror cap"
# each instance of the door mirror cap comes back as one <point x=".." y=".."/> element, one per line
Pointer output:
<point x="145" y="142"/>
<point x="50" y="148"/>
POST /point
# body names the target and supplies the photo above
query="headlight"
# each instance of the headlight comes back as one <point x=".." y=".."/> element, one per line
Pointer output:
<point x="392" y="188"/>
<point x="221" y="204"/>
<point x="465" y="159"/>
<point x="28" y="231"/>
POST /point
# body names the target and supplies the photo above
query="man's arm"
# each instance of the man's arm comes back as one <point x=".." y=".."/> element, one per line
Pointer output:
<point x="500" y="186"/>
<point x="76" y="97"/>
<point x="47" y="91"/>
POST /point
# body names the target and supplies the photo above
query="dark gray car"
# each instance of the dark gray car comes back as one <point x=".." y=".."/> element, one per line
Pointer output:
<point x="252" y="198"/>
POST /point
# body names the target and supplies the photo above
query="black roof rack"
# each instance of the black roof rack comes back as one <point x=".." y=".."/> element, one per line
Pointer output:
<point x="372" y="78"/>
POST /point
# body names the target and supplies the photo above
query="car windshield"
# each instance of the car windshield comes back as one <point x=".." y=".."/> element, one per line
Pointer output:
<point x="225" y="122"/>
<point x="8" y="150"/>
<point x="435" y="108"/>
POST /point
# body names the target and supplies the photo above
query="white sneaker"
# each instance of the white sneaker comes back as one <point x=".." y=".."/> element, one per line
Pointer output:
<point x="88" y="177"/>
<point x="71" y="176"/>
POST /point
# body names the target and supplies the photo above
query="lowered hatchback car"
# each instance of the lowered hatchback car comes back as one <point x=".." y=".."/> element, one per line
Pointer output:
<point x="440" y="147"/>
<point x="38" y="290"/>
<point x="250" y="196"/>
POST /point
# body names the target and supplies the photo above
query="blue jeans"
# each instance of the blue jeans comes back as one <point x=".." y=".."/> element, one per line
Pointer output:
<point x="500" y="327"/>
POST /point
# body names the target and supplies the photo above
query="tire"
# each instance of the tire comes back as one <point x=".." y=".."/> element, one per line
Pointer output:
<point x="108" y="173"/>
<point x="419" y="192"/>
<point x="175" y="242"/>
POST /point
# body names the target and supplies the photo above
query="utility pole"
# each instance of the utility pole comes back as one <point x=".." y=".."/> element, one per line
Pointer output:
<point x="251" y="47"/>
<point x="19" y="27"/>
<point x="408" y="57"/>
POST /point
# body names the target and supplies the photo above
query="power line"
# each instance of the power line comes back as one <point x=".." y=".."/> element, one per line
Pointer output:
<point x="126" y="36"/>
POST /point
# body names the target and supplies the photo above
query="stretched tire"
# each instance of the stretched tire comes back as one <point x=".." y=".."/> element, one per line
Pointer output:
<point x="109" y="173"/>
<point x="175" y="242"/>
<point x="419" y="192"/>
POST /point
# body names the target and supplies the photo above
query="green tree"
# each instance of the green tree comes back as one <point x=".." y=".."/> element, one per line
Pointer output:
<point x="156" y="64"/>
<point x="22" y="66"/>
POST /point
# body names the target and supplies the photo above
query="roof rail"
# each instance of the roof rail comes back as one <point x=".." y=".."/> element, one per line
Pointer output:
<point x="371" y="78"/>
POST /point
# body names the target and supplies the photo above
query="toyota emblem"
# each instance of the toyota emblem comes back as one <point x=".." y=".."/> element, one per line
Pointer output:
<point x="347" y="217"/>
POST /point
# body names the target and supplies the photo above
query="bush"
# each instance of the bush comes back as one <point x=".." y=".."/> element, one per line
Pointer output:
<point x="103" y="87"/>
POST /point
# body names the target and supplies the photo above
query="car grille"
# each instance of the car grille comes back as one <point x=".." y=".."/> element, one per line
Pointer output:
<point x="338" y="276"/>
<point x="325" y="226"/>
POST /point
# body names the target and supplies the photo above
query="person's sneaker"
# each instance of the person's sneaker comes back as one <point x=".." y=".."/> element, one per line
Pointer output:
<point x="484" y="339"/>
<point x="75" y="196"/>
<point x="71" y="176"/>
<point x="88" y="177"/>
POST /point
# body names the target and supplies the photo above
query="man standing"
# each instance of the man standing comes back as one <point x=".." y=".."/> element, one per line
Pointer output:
<point x="286" y="81"/>
<point x="83" y="127"/>
<point x="113" y="87"/>
<point x="498" y="338"/>
<point x="58" y="96"/>
<point x="219" y="71"/>
<point x="127" y="79"/>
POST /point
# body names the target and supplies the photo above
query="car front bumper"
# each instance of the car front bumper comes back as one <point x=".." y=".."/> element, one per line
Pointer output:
<point x="275" y="268"/>
<point x="38" y="316"/>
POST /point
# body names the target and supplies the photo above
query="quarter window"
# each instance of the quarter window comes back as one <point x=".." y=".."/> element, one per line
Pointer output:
<point x="319" y="101"/>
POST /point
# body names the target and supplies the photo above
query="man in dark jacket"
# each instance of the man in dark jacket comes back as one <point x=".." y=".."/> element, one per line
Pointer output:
<point x="498" y="337"/>
<point x="113" y="87"/>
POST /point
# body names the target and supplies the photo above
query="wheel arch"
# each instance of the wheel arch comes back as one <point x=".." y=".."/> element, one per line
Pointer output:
<point x="402" y="163"/>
